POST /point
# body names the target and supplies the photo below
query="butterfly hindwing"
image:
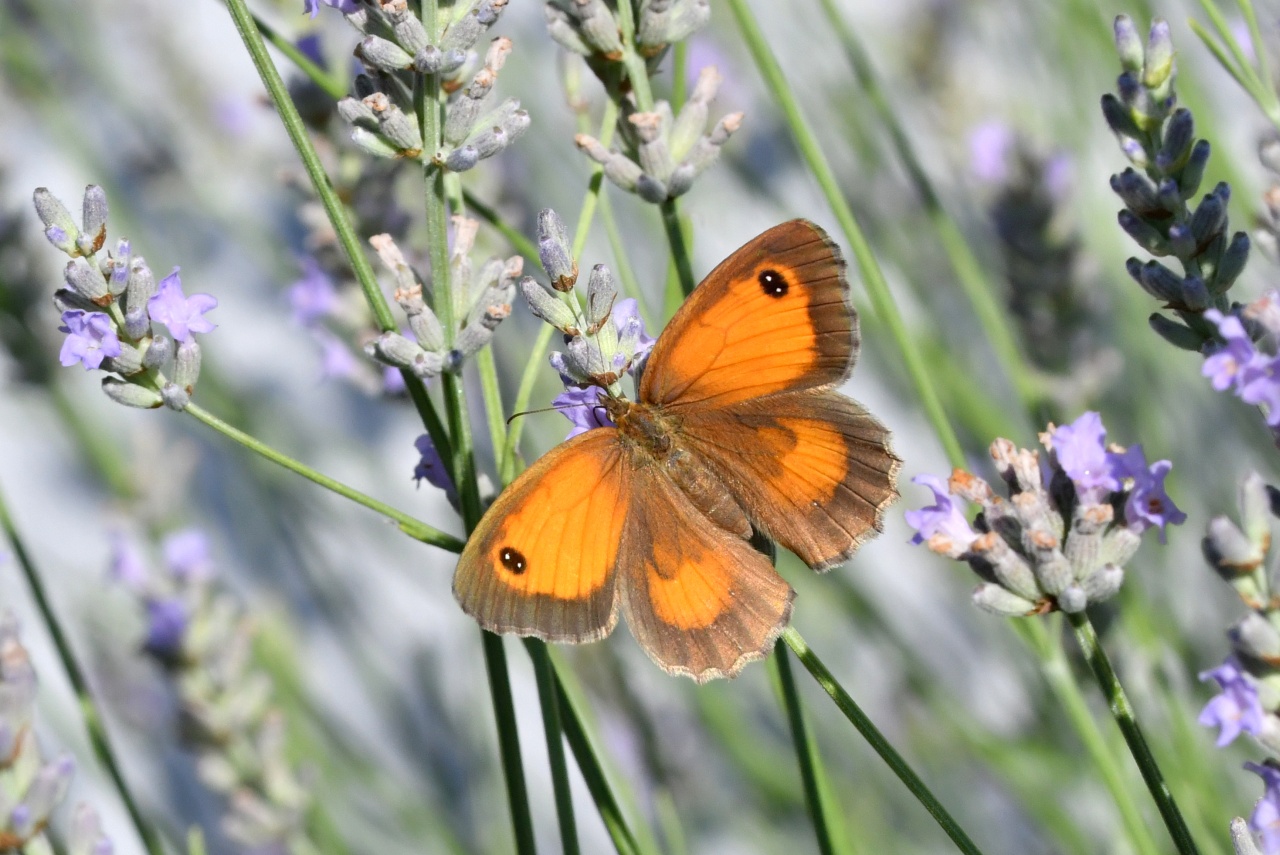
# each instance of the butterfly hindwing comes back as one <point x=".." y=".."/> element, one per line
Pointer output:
<point x="699" y="600"/>
<point x="542" y="560"/>
<point x="773" y="316"/>
<point x="812" y="468"/>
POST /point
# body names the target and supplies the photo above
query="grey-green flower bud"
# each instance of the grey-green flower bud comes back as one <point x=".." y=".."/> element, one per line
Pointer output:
<point x="354" y="111"/>
<point x="59" y="228"/>
<point x="1158" y="67"/>
<point x="1242" y="838"/>
<point x="997" y="600"/>
<point x="664" y="22"/>
<point x="175" y="397"/>
<point x="127" y="363"/>
<point x="402" y="131"/>
<point x="379" y="53"/>
<point x="66" y="300"/>
<point x="87" y="282"/>
<point x="1103" y="583"/>
<point x="548" y="306"/>
<point x="158" y="352"/>
<point x="131" y="394"/>
<point x="1073" y="599"/>
<point x="141" y="287"/>
<point x="554" y="251"/>
<point x="410" y="34"/>
<point x="1256" y="638"/>
<point x="601" y="294"/>
<point x="374" y="143"/>
<point x="186" y="365"/>
<point x="93" y="232"/>
<point x="1229" y="551"/>
<point x="462" y="159"/>
<point x="395" y="350"/>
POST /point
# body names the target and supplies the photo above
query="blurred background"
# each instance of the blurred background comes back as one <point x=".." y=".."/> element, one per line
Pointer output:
<point x="377" y="671"/>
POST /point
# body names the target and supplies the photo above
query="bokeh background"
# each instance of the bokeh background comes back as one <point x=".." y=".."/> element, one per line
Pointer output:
<point x="378" y="671"/>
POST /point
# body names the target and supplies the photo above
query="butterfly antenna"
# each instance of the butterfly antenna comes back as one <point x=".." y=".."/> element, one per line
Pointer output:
<point x="555" y="409"/>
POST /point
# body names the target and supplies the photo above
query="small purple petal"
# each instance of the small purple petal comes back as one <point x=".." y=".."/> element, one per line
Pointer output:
<point x="166" y="627"/>
<point x="187" y="555"/>
<point x="182" y="315"/>
<point x="1265" y="820"/>
<point x="1082" y="455"/>
<point x="989" y="146"/>
<point x="313" y="296"/>
<point x="91" y="338"/>
<point x="1236" y="709"/>
<point x="431" y="468"/>
<point x="942" y="517"/>
<point x="583" y="408"/>
<point x="1148" y="504"/>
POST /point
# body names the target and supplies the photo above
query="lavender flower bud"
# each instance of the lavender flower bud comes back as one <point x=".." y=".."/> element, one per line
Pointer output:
<point x="116" y="269"/>
<point x="87" y="282"/>
<point x="410" y="34"/>
<point x="397" y="351"/>
<point x="1210" y="216"/>
<point x="601" y="294"/>
<point x="1103" y="584"/>
<point x="141" y="287"/>
<point x="175" y="397"/>
<point x="1138" y="193"/>
<point x="664" y="22"/>
<point x="654" y="155"/>
<point x="158" y="352"/>
<point x="548" y="307"/>
<point x="127" y="363"/>
<point x="1143" y="233"/>
<point x="462" y="159"/>
<point x="554" y="251"/>
<point x="66" y="300"/>
<point x="1156" y="279"/>
<point x="1128" y="43"/>
<point x="1157" y="67"/>
<point x="999" y="601"/>
<point x="1256" y="638"/>
<point x="59" y="228"/>
<point x="1256" y="510"/>
<point x="1175" y="333"/>
<point x="1231" y="264"/>
<point x="1181" y="242"/>
<point x="1073" y="599"/>
<point x="618" y="168"/>
<point x="93" y="232"/>
<point x="402" y="131"/>
<point x="186" y="365"/>
<point x="1195" y="296"/>
<point x="379" y="53"/>
<point x="1229" y="551"/>
<point x="131" y="394"/>
<point x="1179" y="134"/>
<point x="1193" y="172"/>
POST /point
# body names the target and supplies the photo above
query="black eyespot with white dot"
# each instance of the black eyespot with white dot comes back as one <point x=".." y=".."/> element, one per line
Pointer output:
<point x="512" y="560"/>
<point x="773" y="283"/>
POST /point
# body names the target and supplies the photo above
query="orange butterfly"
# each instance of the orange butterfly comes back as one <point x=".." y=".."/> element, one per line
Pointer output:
<point x="737" y="427"/>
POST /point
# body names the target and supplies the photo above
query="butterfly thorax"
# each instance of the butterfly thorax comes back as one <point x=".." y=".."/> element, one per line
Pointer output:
<point x="644" y="425"/>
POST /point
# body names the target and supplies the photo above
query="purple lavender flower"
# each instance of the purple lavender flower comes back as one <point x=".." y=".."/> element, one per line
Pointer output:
<point x="1236" y="709"/>
<point x="182" y="315"/>
<point x="1265" y="820"/>
<point x="166" y="626"/>
<point x="187" y="555"/>
<point x="127" y="565"/>
<point x="1225" y="365"/>
<point x="1259" y="384"/>
<point x="582" y="407"/>
<point x="1083" y="457"/>
<point x="346" y="7"/>
<point x="313" y="296"/>
<point x="431" y="468"/>
<point x="990" y="144"/>
<point x="626" y="317"/>
<point x="943" y="517"/>
<point x="91" y="338"/>
<point x="1148" y="505"/>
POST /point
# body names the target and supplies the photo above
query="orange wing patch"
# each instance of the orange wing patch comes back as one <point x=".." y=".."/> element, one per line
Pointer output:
<point x="699" y="600"/>
<point x="542" y="560"/>
<point x="773" y="316"/>
<point x="812" y="469"/>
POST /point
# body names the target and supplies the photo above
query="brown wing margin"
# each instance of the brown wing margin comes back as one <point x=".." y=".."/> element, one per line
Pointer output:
<point x="812" y="469"/>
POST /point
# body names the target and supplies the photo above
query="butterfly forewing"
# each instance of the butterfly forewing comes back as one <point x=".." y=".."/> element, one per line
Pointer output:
<point x="542" y="560"/>
<point x="773" y="316"/>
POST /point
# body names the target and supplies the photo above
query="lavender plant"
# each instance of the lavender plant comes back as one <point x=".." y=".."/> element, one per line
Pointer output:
<point x="428" y="117"/>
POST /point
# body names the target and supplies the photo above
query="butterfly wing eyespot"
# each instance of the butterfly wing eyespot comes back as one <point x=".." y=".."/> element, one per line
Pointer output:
<point x="542" y="560"/>
<point x="699" y="600"/>
<point x="773" y="316"/>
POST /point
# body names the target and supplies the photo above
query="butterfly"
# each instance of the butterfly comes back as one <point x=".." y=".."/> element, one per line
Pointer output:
<point x="736" y="429"/>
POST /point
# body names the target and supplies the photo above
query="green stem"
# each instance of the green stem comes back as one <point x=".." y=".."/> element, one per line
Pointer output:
<point x="93" y="720"/>
<point x="806" y="751"/>
<point x="504" y="711"/>
<point x="1124" y="715"/>
<point x="876" y="739"/>
<point x="679" y="247"/>
<point x="872" y="276"/>
<point x="630" y="284"/>
<point x="337" y="214"/>
<point x="332" y="86"/>
<point x="968" y="270"/>
<point x="679" y="75"/>
<point x="551" y="725"/>
<point x="518" y="241"/>
<point x="637" y="68"/>
<point x="593" y="774"/>
<point x="415" y="528"/>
